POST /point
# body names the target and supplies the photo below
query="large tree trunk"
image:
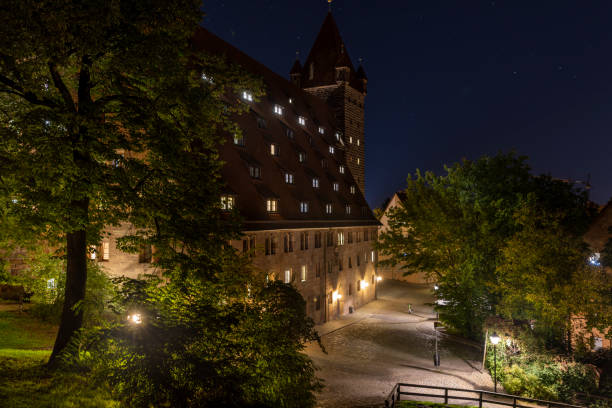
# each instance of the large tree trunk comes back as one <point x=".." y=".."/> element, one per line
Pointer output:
<point x="74" y="294"/>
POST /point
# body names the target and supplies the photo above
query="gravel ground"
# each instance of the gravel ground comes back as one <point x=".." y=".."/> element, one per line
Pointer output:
<point x="382" y="344"/>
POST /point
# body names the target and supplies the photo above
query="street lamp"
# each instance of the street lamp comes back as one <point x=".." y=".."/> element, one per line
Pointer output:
<point x="494" y="340"/>
<point x="136" y="318"/>
<point x="378" y="279"/>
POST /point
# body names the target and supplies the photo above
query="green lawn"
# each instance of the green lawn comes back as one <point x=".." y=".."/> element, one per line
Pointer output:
<point x="25" y="345"/>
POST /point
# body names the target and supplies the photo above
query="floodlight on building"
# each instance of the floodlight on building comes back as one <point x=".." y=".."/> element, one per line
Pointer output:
<point x="364" y="284"/>
<point x="336" y="296"/>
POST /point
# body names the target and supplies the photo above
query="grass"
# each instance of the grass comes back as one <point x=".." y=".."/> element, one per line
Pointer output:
<point x="25" y="346"/>
<point x="424" y="404"/>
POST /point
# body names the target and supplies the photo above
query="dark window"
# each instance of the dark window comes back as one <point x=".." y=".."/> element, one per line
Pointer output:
<point x="273" y="246"/>
<point x="317" y="240"/>
<point x="268" y="246"/>
<point x="255" y="171"/>
<point x="350" y="264"/>
<point x="358" y="258"/>
<point x="330" y="267"/>
<point x="330" y="239"/>
<point x="350" y="237"/>
<point x="303" y="241"/>
<point x="358" y="285"/>
<point x="261" y="123"/>
<point x="318" y="270"/>
<point x="317" y="302"/>
<point x="245" y="245"/>
<point x="288" y="241"/>
<point x="340" y="264"/>
<point x="252" y="245"/>
<point x="145" y="254"/>
<point x="289" y="133"/>
<point x="366" y="235"/>
<point x="350" y="289"/>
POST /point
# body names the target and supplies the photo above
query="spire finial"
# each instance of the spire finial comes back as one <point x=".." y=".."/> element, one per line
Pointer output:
<point x="297" y="55"/>
<point x="329" y="2"/>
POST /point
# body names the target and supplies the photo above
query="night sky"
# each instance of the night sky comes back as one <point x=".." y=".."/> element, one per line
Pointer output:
<point x="453" y="79"/>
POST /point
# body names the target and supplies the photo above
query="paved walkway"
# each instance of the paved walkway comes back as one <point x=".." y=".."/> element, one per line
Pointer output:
<point x="382" y="344"/>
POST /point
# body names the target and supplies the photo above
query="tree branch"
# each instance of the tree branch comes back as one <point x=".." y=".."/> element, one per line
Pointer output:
<point x="59" y="84"/>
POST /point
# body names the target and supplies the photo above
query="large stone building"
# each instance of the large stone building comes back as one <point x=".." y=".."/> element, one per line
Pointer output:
<point x="296" y="174"/>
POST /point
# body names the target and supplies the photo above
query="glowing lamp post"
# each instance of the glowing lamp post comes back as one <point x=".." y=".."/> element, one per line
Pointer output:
<point x="494" y="340"/>
<point x="135" y="318"/>
<point x="378" y="279"/>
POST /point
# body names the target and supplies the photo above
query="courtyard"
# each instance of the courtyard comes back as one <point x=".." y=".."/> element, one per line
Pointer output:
<point x="382" y="344"/>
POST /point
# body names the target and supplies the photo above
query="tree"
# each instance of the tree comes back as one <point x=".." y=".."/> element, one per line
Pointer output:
<point x="104" y="116"/>
<point x="454" y="227"/>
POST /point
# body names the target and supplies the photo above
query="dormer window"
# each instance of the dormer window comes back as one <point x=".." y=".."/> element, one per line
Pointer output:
<point x="255" y="171"/>
<point x="278" y="109"/>
<point x="315" y="182"/>
<point x="227" y="202"/>
<point x="331" y="149"/>
<point x="304" y="207"/>
<point x="289" y="178"/>
<point x="321" y="130"/>
<point x="272" y="205"/>
<point x="238" y="139"/>
<point x="301" y="157"/>
<point x="352" y="188"/>
<point x="247" y="96"/>
<point x="336" y="186"/>
<point x="347" y="209"/>
<point x="302" y="120"/>
<point x="274" y="149"/>
<point x="328" y="208"/>
<point x="341" y="169"/>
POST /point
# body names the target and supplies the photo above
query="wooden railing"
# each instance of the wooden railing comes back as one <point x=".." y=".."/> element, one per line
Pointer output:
<point x="458" y="395"/>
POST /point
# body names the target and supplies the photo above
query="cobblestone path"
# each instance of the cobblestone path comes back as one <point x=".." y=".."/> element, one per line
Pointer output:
<point x="382" y="344"/>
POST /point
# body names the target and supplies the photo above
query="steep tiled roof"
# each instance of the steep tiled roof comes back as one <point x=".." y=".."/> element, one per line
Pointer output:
<point x="251" y="193"/>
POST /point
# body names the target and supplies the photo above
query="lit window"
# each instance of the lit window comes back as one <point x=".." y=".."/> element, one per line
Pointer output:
<point x="303" y="207"/>
<point x="255" y="171"/>
<point x="331" y="149"/>
<point x="336" y="186"/>
<point x="301" y="157"/>
<point x="289" y="133"/>
<point x="105" y="251"/>
<point x="272" y="205"/>
<point x="358" y="160"/>
<point x="358" y="143"/>
<point x="315" y="182"/>
<point x="227" y="202"/>
<point x="92" y="252"/>
<point x="51" y="284"/>
<point x="341" y="169"/>
<point x="323" y="163"/>
<point x="290" y="100"/>
<point x="321" y="130"/>
<point x="302" y="120"/>
<point x="239" y="139"/>
<point x="261" y="123"/>
<point x="303" y="274"/>
<point x="278" y="109"/>
<point x="350" y="139"/>
<point x="352" y="189"/>
<point x="274" y="150"/>
<point x="328" y="208"/>
<point x="341" y="238"/>
<point x="338" y="136"/>
<point x="347" y="209"/>
<point x="288" y="275"/>
<point x="289" y="178"/>
<point x="247" y="96"/>
<point x="373" y="256"/>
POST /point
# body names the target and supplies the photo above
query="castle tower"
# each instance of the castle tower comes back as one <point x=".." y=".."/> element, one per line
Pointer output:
<point x="329" y="74"/>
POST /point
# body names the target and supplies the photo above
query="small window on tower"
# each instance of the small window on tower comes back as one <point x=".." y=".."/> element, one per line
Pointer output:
<point x="358" y="160"/>
<point x="350" y="139"/>
<point x="352" y="189"/>
<point x="304" y="207"/>
<point x="358" y="143"/>
<point x="328" y="208"/>
<point x="261" y="123"/>
<point x="331" y="149"/>
<point x="338" y="136"/>
<point x="289" y="132"/>
<point x="239" y="139"/>
<point x="302" y="120"/>
<point x="278" y="109"/>
<point x="321" y="130"/>
<point x="255" y="171"/>
<point x="341" y="169"/>
<point x="315" y="182"/>
<point x="348" y="209"/>
<point x="288" y="275"/>
<point x="301" y="157"/>
<point x="336" y="186"/>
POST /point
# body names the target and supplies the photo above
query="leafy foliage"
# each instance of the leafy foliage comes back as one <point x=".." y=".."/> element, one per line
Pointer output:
<point x="456" y="227"/>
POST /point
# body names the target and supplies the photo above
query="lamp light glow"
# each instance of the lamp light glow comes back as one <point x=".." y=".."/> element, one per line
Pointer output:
<point x="336" y="296"/>
<point x="136" y="318"/>
<point x="494" y="339"/>
<point x="364" y="284"/>
<point x="378" y="278"/>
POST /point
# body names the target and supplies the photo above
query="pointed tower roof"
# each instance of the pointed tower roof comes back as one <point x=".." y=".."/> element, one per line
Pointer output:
<point x="361" y="72"/>
<point x="296" y="68"/>
<point x="327" y="53"/>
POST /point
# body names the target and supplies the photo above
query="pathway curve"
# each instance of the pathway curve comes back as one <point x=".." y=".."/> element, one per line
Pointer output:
<point x="382" y="344"/>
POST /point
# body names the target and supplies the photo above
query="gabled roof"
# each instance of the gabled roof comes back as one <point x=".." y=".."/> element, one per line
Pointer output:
<point x="251" y="193"/>
<point x="327" y="53"/>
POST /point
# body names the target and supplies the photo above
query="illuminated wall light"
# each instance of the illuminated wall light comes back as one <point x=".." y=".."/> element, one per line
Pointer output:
<point x="378" y="278"/>
<point x="336" y="296"/>
<point x="364" y="284"/>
